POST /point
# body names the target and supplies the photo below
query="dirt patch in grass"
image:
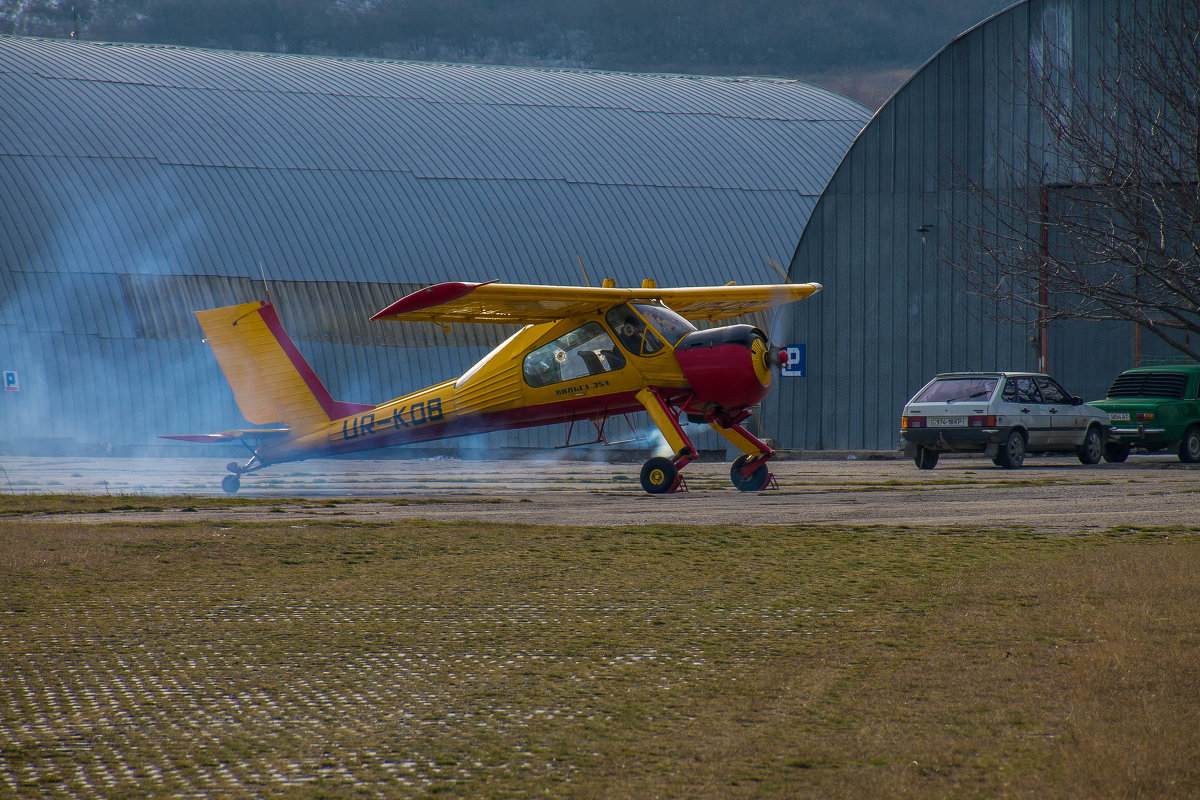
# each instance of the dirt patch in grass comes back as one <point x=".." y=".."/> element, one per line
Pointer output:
<point x="318" y="658"/>
<point x="17" y="505"/>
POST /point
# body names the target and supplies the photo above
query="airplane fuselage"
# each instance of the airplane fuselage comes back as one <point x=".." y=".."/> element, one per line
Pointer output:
<point x="499" y="393"/>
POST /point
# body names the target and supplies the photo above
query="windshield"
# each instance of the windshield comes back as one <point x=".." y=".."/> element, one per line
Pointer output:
<point x="957" y="390"/>
<point x="672" y="326"/>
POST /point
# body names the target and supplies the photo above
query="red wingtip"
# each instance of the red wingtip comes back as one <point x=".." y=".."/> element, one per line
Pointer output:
<point x="429" y="297"/>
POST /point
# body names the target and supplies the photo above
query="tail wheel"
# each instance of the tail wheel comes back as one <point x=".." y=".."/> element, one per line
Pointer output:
<point x="1012" y="452"/>
<point x="1189" y="447"/>
<point x="659" y="475"/>
<point x="925" y="458"/>
<point x="1091" y="451"/>
<point x="1116" y="452"/>
<point x="231" y="483"/>
<point x="753" y="482"/>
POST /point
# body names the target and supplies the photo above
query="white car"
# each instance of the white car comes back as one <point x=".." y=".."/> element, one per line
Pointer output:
<point x="1003" y="415"/>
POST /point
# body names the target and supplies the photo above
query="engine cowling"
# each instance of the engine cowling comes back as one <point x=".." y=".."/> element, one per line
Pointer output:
<point x="729" y="367"/>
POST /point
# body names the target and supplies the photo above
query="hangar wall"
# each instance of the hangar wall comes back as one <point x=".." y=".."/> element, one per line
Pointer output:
<point x="139" y="183"/>
<point x="892" y="314"/>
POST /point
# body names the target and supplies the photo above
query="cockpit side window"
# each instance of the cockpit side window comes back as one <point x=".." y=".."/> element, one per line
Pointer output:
<point x="587" y="350"/>
<point x="632" y="331"/>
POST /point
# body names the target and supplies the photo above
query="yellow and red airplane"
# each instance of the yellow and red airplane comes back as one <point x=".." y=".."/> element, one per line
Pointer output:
<point x="584" y="353"/>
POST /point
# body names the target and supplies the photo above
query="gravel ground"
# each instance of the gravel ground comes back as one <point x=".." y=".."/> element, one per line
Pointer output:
<point x="1051" y="494"/>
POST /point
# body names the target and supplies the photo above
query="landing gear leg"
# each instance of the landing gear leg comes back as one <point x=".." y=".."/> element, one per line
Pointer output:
<point x="659" y="474"/>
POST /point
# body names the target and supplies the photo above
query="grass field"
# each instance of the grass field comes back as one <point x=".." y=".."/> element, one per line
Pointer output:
<point x="308" y="659"/>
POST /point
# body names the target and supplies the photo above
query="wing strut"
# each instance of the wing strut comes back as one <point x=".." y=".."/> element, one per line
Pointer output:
<point x="601" y="437"/>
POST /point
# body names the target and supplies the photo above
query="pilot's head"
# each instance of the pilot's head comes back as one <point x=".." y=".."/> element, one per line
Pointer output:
<point x="630" y="326"/>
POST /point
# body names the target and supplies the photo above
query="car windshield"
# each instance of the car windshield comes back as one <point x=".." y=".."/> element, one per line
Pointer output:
<point x="957" y="390"/>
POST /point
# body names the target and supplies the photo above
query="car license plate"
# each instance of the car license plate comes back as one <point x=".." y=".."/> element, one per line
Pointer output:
<point x="947" y="422"/>
<point x="1119" y="416"/>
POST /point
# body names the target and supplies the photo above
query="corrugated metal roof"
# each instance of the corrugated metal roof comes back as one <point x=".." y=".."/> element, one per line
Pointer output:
<point x="447" y="84"/>
<point x="140" y="217"/>
<point x="282" y="130"/>
<point x="133" y="177"/>
<point x="197" y="162"/>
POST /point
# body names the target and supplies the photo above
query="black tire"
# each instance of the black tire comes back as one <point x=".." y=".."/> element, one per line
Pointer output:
<point x="753" y="482"/>
<point x="1116" y="452"/>
<point x="1092" y="449"/>
<point x="925" y="458"/>
<point x="1189" y="446"/>
<point x="231" y="483"/>
<point x="1012" y="452"/>
<point x="659" y="475"/>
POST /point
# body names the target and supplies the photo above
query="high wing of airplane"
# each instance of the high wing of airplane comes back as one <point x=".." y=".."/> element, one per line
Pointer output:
<point x="584" y="353"/>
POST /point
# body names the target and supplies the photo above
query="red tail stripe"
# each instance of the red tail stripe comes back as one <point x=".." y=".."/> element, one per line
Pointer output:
<point x="334" y="409"/>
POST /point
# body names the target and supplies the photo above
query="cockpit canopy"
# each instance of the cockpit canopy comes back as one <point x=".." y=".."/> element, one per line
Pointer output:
<point x="645" y="328"/>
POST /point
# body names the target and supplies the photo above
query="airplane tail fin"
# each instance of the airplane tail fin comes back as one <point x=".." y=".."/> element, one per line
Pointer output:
<point x="271" y="381"/>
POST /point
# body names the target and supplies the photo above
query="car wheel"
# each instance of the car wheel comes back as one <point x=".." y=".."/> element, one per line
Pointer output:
<point x="1116" y="452"/>
<point x="1092" y="450"/>
<point x="1012" y="452"/>
<point x="1189" y="447"/>
<point x="925" y="458"/>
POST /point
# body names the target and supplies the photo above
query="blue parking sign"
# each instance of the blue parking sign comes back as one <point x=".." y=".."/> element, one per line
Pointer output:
<point x="797" y="361"/>
<point x="10" y="381"/>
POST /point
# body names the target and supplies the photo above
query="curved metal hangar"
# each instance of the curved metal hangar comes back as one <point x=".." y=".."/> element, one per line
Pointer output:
<point x="142" y="183"/>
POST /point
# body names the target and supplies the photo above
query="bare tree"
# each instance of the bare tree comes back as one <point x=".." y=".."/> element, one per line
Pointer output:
<point x="1099" y="219"/>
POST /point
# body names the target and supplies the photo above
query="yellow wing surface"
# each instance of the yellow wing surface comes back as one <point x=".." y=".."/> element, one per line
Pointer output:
<point x="522" y="304"/>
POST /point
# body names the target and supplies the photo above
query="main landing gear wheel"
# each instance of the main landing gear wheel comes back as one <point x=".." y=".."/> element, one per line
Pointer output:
<point x="231" y="483"/>
<point x="755" y="481"/>
<point x="659" y="475"/>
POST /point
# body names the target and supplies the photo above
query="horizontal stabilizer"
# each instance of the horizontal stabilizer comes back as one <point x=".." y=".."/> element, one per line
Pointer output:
<point x="229" y="436"/>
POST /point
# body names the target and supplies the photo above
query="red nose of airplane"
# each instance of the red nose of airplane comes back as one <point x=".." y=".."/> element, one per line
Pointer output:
<point x="729" y="367"/>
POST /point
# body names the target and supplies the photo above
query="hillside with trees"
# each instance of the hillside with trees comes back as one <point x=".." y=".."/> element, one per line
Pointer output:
<point x="863" y="48"/>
